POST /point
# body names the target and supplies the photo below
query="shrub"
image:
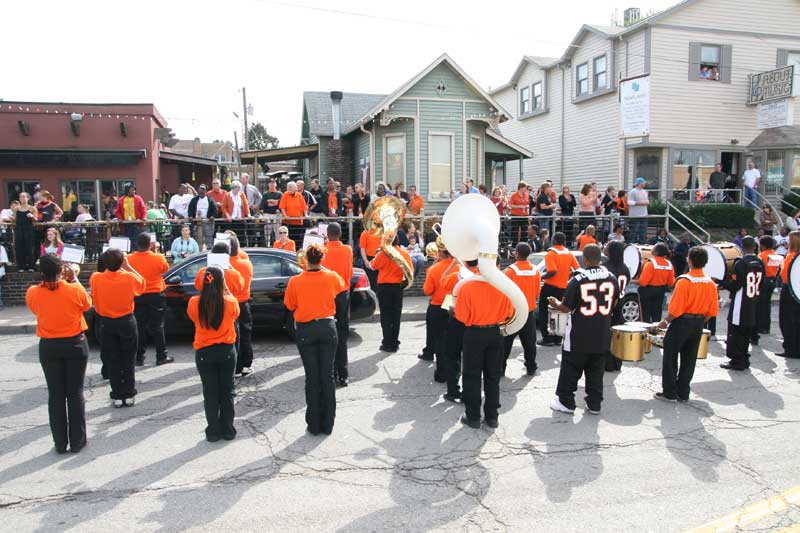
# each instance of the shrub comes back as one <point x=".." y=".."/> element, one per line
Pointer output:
<point x="713" y="215"/>
<point x="791" y="202"/>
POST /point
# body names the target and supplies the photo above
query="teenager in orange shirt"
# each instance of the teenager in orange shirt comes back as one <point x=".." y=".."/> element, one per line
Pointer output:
<point x="63" y="351"/>
<point x="390" y="296"/>
<point x="234" y="281"/>
<point x="114" y="292"/>
<point x="241" y="263"/>
<point x="368" y="244"/>
<point x="284" y="242"/>
<point x="339" y="259"/>
<point x="214" y="313"/>
<point x="151" y="305"/>
<point x="527" y="277"/>
<point x="586" y="237"/>
<point x="789" y="309"/>
<point x="657" y="276"/>
<point x="454" y="336"/>
<point x="559" y="263"/>
<point x="519" y="206"/>
<point x="415" y="202"/>
<point x="436" y="318"/>
<point x="311" y="295"/>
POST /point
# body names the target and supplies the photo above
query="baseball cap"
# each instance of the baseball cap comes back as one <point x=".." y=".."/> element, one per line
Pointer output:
<point x="639" y="181"/>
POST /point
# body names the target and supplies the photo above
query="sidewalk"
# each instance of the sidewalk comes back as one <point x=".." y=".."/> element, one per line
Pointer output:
<point x="18" y="320"/>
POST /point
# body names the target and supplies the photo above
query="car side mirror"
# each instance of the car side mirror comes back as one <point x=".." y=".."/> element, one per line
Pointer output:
<point x="174" y="280"/>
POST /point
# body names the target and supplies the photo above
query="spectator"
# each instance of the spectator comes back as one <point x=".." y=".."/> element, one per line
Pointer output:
<point x="717" y="179"/>
<point x="83" y="214"/>
<point x="348" y="201"/>
<point x="360" y="200"/>
<point x="782" y="242"/>
<point x="415" y="202"/>
<point x="131" y="208"/>
<point x="234" y="205"/>
<point x="462" y="189"/>
<point x="217" y="194"/>
<point x="768" y="220"/>
<point x="51" y="244"/>
<point x="662" y="238"/>
<point x="24" y="217"/>
<point x="739" y="236"/>
<point x="319" y="204"/>
<point x="156" y="213"/>
<point x="638" y="201"/>
<point x="293" y="208"/>
<point x="732" y="193"/>
<point x="333" y="201"/>
<point x="482" y="190"/>
<point x="567" y="202"/>
<point x="7" y="215"/>
<point x="609" y="202"/>
<point x="545" y="205"/>
<point x="586" y="237"/>
<point x="203" y="208"/>
<point x="269" y="208"/>
<point x="68" y="198"/>
<point x="184" y="246"/>
<point x="380" y="191"/>
<point x="48" y="210"/>
<point x="165" y="195"/>
<point x="544" y="236"/>
<point x="499" y="200"/>
<point x="3" y="263"/>
<point x="471" y="186"/>
<point x="680" y="253"/>
<point x="617" y="235"/>
<point x="251" y="192"/>
<point x="751" y="179"/>
<point x="417" y="254"/>
<point x="284" y="242"/>
<point x="519" y="203"/>
<point x="400" y="193"/>
<point x="179" y="203"/>
<point x="308" y="197"/>
<point x="533" y="239"/>
<point x="622" y="203"/>
<point x="587" y="201"/>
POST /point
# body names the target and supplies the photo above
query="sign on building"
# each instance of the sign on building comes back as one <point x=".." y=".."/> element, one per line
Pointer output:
<point x="771" y="85"/>
<point x="635" y="107"/>
<point x="775" y="114"/>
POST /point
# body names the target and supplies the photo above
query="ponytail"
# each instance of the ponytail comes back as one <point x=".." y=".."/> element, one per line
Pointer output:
<point x="50" y="266"/>
<point x="212" y="302"/>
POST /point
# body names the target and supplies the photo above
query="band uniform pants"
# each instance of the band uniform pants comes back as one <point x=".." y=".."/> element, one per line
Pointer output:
<point x="216" y="364"/>
<point x="64" y="361"/>
<point x="120" y="339"/>
<point x="764" y="308"/>
<point x="651" y="299"/>
<point x="453" y="346"/>
<point x="573" y="366"/>
<point x="149" y="312"/>
<point x="430" y="332"/>
<point x="544" y="314"/>
<point x="342" y="333"/>
<point x="372" y="275"/>
<point x="789" y="320"/>
<point x="390" y="301"/>
<point x="482" y="352"/>
<point x="737" y="345"/>
<point x="316" y="342"/>
<point x="682" y="338"/>
<point x="437" y="328"/>
<point x="244" y="338"/>
<point x="527" y="335"/>
<point x="612" y="363"/>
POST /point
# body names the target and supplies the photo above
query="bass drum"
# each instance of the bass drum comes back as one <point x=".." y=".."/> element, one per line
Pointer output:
<point x="634" y="257"/>
<point x="720" y="259"/>
<point x="794" y="279"/>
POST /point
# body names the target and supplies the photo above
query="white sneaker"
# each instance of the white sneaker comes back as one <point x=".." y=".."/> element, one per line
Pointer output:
<point x="129" y="402"/>
<point x="118" y="403"/>
<point x="593" y="412"/>
<point x="556" y="405"/>
<point x="246" y="370"/>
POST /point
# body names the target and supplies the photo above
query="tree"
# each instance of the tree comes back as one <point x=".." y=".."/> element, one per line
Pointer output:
<point x="259" y="139"/>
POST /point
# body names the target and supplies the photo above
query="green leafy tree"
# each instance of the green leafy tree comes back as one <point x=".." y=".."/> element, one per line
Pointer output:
<point x="259" y="139"/>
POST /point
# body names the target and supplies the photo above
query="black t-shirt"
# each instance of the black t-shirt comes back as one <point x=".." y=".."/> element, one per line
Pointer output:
<point x="567" y="204"/>
<point x="745" y="289"/>
<point x="592" y="294"/>
<point x="360" y="204"/>
<point x="544" y="199"/>
<point x="270" y="209"/>
<point x="608" y="204"/>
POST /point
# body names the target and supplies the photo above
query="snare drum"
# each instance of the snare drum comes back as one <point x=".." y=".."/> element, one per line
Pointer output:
<point x="720" y="259"/>
<point x="628" y="342"/>
<point x="634" y="257"/>
<point x="557" y="323"/>
<point x="702" y="349"/>
<point x="647" y="327"/>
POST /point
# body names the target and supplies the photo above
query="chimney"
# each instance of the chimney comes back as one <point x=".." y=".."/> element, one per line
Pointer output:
<point x="336" y="108"/>
<point x="632" y="16"/>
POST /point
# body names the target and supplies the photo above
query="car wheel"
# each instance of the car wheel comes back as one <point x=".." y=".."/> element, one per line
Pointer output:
<point x="630" y="308"/>
<point x="288" y="325"/>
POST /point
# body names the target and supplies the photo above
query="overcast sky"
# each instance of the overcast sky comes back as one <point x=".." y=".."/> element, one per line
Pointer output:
<point x="191" y="58"/>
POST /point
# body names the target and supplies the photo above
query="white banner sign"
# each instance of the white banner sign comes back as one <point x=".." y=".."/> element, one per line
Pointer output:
<point x="775" y="114"/>
<point x="635" y="107"/>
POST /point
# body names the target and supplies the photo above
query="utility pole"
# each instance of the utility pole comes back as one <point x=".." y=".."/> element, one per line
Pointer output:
<point x="244" y="113"/>
<point x="238" y="155"/>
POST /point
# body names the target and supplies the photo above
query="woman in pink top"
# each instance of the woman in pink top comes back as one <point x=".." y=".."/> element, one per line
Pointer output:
<point x="587" y="201"/>
<point x="499" y="200"/>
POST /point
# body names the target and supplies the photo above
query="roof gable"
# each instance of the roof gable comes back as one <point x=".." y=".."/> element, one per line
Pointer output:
<point x="538" y="61"/>
<point x="318" y="113"/>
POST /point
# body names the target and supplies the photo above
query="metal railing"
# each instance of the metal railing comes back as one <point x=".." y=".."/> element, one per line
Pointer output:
<point x="670" y="218"/>
<point x="764" y="201"/>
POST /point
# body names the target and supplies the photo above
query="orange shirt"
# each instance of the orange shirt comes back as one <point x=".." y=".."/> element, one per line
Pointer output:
<point x="622" y="205"/>
<point x="481" y="304"/>
<point x="243" y="254"/>
<point x="312" y="294"/>
<point x="113" y="292"/>
<point x="150" y="266"/>
<point x="339" y="258"/>
<point x="59" y="313"/>
<point x="583" y="240"/>
<point x="245" y="268"/>
<point x="660" y="274"/>
<point x="694" y="294"/>
<point x="416" y="204"/>
<point x="225" y="334"/>
<point x="787" y="262"/>
<point x="434" y="284"/>
<point x="769" y="271"/>
<point x="388" y="271"/>
<point x="520" y="200"/>
<point x="369" y="243"/>
<point x="289" y="245"/>
<point x="333" y="203"/>
<point x="294" y="205"/>
<point x="452" y="279"/>
<point x="233" y="279"/>
<point x="560" y="259"/>
<point x="526" y="277"/>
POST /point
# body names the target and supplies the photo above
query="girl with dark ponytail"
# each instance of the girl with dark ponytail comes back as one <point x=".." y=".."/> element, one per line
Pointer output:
<point x="214" y="314"/>
<point x="615" y="263"/>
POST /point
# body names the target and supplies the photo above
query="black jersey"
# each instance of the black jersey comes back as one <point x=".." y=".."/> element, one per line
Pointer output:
<point x="592" y="294"/>
<point x="745" y="288"/>
<point x="623" y="275"/>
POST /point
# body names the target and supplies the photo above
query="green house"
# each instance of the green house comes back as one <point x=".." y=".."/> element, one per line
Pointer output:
<point x="435" y="131"/>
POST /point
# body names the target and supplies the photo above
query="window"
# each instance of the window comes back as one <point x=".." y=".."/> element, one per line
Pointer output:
<point x="600" y="73"/>
<point x="440" y="146"/>
<point x="475" y="159"/>
<point x="13" y="189"/>
<point x="266" y="266"/>
<point x="524" y="100"/>
<point x="395" y="159"/>
<point x="710" y="62"/>
<point x="775" y="168"/>
<point x="291" y="269"/>
<point x="188" y="273"/>
<point x="538" y="101"/>
<point x="796" y="169"/>
<point x="582" y="79"/>
<point x="697" y="163"/>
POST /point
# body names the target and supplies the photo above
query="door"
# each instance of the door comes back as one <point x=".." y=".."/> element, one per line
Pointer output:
<point x="271" y="275"/>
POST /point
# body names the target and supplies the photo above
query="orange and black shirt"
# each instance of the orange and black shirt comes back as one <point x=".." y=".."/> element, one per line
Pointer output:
<point x="295" y="206"/>
<point x="288" y="245"/>
<point x="526" y="277"/>
<point x="769" y="271"/>
<point x="657" y="272"/>
<point x="583" y="240"/>
<point x="369" y="243"/>
<point x="434" y="281"/>
<point x="245" y="268"/>
<point x="787" y="262"/>
<point x="694" y="294"/>
<point x="339" y="258"/>
<point x="233" y="280"/>
<point x="481" y="304"/>
<point x="388" y="271"/>
<point x="559" y="259"/>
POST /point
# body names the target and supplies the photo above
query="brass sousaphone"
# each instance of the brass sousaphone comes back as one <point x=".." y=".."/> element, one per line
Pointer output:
<point x="383" y="217"/>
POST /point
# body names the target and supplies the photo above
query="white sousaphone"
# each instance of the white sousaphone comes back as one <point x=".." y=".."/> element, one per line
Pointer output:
<point x="470" y="230"/>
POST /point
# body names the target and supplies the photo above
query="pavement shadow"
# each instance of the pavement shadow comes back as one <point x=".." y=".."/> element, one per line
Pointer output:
<point x="743" y="389"/>
<point x="619" y="411"/>
<point x="760" y="361"/>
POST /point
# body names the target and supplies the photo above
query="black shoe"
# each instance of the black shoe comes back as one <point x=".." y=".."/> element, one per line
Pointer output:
<point x="164" y="360"/>
<point x="439" y="379"/>
<point x="139" y="362"/>
<point x="342" y="382"/>
<point x="60" y="450"/>
<point x="425" y="357"/>
<point x="474" y="424"/>
<point x="491" y="422"/>
<point x="783" y="354"/>
<point x="312" y="431"/>
<point x="212" y="437"/>
<point x="664" y="398"/>
<point x="683" y="400"/>
<point x="392" y="349"/>
<point x="545" y="343"/>
<point x="754" y="342"/>
<point x="455" y="398"/>
<point x="229" y="436"/>
<point x="327" y="431"/>
<point x="531" y="371"/>
<point x="76" y="449"/>
<point x="384" y="348"/>
<point x="730" y="366"/>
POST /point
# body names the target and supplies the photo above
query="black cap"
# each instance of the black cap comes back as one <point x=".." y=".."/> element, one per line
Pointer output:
<point x="748" y="243"/>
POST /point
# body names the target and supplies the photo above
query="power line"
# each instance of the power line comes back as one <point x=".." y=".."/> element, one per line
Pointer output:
<point x="354" y="14"/>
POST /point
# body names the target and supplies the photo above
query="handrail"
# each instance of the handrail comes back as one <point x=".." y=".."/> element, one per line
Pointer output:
<point x="786" y="190"/>
<point x="759" y="209"/>
<point x="671" y="206"/>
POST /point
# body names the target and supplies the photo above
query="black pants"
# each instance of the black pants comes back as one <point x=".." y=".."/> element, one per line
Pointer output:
<point x="23" y="247"/>
<point x="216" y="364"/>
<point x="120" y="339"/>
<point x="651" y="299"/>
<point x="575" y="364"/>
<point x="764" y="308"/>
<point x="454" y="343"/>
<point x="372" y="275"/>
<point x="390" y="301"/>
<point x="342" y="333"/>
<point x="430" y="332"/>
<point x="737" y="345"/>
<point x="296" y="233"/>
<point x="316" y="342"/>
<point x="149" y="312"/>
<point x="547" y="291"/>
<point x="682" y="338"/>
<point x="527" y="335"/>
<point x="482" y="349"/>
<point x="244" y="337"/>
<point x="64" y="364"/>
<point x="518" y="227"/>
<point x="789" y="321"/>
<point x="437" y="328"/>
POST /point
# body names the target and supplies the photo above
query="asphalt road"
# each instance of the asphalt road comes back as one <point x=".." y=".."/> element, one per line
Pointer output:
<point x="398" y="459"/>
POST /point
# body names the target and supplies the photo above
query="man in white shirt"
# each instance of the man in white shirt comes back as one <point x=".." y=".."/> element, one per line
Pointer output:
<point x="252" y="193"/>
<point x="179" y="203"/>
<point x="750" y="179"/>
<point x="638" y="200"/>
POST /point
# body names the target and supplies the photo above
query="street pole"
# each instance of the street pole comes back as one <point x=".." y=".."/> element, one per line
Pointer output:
<point x="238" y="155"/>
<point x="244" y="113"/>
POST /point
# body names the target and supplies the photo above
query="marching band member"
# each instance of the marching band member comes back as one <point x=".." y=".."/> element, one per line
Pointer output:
<point x="151" y="305"/>
<point x="368" y="245"/>
<point x="657" y="276"/>
<point x="63" y="351"/>
<point x="589" y="299"/>
<point x="764" y="307"/>
<point x="214" y="313"/>
<point x="311" y="295"/>
<point x="234" y="281"/>
<point x="454" y="337"/>
<point x="527" y="277"/>
<point x="390" y="296"/>
<point x="694" y="301"/>
<point x="436" y="318"/>
<point x="339" y="258"/>
<point x="481" y="307"/>
<point x="113" y="292"/>
<point x="240" y="262"/>
<point x="744" y="287"/>
<point x="789" y="314"/>
<point x="615" y="252"/>
<point x="559" y="263"/>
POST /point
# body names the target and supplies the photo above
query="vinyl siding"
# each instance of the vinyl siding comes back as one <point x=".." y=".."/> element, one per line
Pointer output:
<point x="360" y="144"/>
<point x="406" y="127"/>
<point x="769" y="16"/>
<point x="456" y="88"/>
<point x="440" y="116"/>
<point x="631" y="56"/>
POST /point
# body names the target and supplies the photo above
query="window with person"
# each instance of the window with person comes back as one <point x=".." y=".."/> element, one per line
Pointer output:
<point x="710" y="61"/>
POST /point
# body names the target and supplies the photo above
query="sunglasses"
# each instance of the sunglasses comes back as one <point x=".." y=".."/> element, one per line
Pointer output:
<point x="283" y="233"/>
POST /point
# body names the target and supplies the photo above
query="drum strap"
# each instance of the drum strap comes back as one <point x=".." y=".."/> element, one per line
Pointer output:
<point x="696" y="279"/>
<point x="559" y="252"/>
<point x="523" y="273"/>
<point x="659" y="266"/>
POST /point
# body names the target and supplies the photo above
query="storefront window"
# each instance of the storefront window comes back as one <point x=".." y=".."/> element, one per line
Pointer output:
<point x="796" y="169"/>
<point x="699" y="164"/>
<point x="16" y="187"/>
<point x="775" y="170"/>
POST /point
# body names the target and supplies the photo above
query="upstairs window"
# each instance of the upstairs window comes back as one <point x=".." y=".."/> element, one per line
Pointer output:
<point x="525" y="100"/>
<point x="600" y="73"/>
<point x="710" y="62"/>
<point x="582" y="79"/>
<point x="538" y="101"/>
